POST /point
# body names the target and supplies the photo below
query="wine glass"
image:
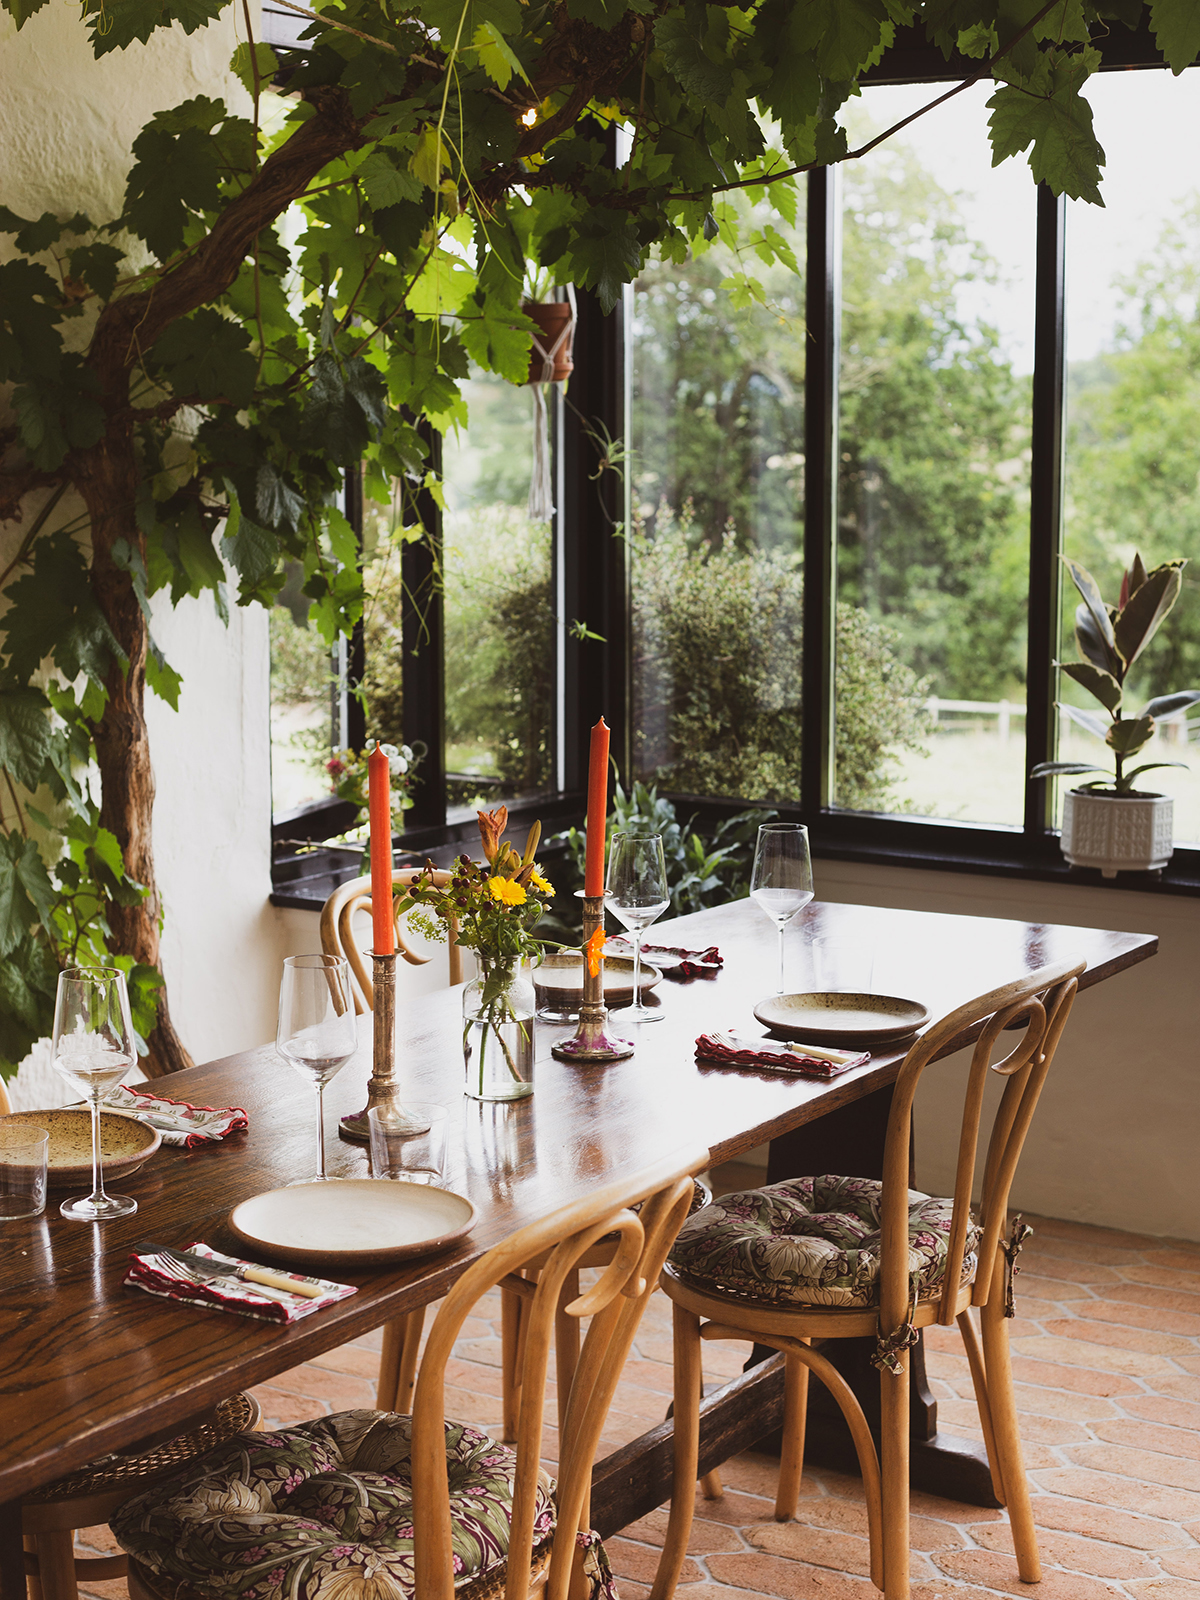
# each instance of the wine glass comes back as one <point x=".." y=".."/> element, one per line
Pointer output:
<point x="636" y="894"/>
<point x="782" y="880"/>
<point x="92" y="1046"/>
<point x="317" y="1034"/>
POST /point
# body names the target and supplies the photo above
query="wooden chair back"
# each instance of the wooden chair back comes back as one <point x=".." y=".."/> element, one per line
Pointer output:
<point x="1042" y="1003"/>
<point x="337" y="933"/>
<point x="5" y="1102"/>
<point x="614" y="1303"/>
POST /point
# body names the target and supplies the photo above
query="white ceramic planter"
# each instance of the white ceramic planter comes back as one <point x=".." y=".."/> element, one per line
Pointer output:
<point x="1126" y="833"/>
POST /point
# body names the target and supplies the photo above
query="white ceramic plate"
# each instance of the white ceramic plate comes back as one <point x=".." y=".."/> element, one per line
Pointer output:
<point x="558" y="982"/>
<point x="125" y="1144"/>
<point x="841" y="1018"/>
<point x="353" y="1222"/>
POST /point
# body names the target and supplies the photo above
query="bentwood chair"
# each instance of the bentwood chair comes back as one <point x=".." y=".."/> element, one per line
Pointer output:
<point x="815" y="1259"/>
<point x="338" y="936"/>
<point x="368" y="1503"/>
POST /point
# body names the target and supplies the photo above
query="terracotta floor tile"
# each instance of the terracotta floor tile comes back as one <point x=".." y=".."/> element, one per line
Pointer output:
<point x="1083" y="1248"/>
<point x="1059" y="1228"/>
<point x="705" y="1537"/>
<point x="1182" y="1440"/>
<point x="1043" y="1402"/>
<point x="1183" y="1563"/>
<point x="1165" y="1589"/>
<point x="1126" y="1313"/>
<point x="1096" y="1354"/>
<point x="1072" y="1272"/>
<point x="1125" y="1338"/>
<point x="1150" y="1295"/>
<point x="1125" y="1494"/>
<point x="1185" y="1260"/>
<point x="790" y="1580"/>
<point x="1179" y="1386"/>
<point x="1165" y="1277"/>
<point x="998" y="1571"/>
<point x="640" y="1561"/>
<point x="1082" y="1380"/>
<point x="1078" y="1555"/>
<point x="963" y="1416"/>
<point x="1174" y="1413"/>
<point x="1150" y="1466"/>
<point x="821" y="1547"/>
<point x="1103" y="1522"/>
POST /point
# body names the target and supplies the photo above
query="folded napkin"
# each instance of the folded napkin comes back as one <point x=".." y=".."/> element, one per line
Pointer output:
<point x="160" y="1276"/>
<point x="688" y="963"/>
<point x="178" y="1122"/>
<point x="797" y="1060"/>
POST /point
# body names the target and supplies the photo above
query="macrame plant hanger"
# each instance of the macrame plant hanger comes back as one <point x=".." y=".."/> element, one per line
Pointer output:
<point x="542" y="363"/>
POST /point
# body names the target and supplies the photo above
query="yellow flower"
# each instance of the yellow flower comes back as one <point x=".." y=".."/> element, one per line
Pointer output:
<point x="506" y="891"/>
<point x="540" y="883"/>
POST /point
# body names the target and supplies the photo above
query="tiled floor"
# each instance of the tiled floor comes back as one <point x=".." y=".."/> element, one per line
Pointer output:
<point x="1107" y="1362"/>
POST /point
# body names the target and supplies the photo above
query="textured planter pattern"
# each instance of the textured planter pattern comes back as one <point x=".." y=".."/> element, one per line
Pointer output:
<point x="1132" y="834"/>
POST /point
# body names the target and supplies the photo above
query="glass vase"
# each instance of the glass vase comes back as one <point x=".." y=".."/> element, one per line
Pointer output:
<point x="498" y="1009"/>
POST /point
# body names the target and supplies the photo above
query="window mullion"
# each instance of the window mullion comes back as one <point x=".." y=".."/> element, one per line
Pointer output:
<point x="1045" y="511"/>
<point x="822" y="314"/>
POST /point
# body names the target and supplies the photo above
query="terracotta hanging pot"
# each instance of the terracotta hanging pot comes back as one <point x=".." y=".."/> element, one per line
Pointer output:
<point x="550" y="356"/>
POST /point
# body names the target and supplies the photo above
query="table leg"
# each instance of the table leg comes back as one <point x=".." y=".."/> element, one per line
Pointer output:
<point x="12" y="1552"/>
<point x="850" y="1142"/>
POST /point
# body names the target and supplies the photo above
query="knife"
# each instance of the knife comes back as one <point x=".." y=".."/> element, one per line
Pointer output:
<point x="203" y="1268"/>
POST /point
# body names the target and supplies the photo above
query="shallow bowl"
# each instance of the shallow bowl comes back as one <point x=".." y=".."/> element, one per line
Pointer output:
<point x="125" y="1144"/>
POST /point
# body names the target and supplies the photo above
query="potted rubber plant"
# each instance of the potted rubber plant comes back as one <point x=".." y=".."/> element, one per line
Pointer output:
<point x="1108" y="823"/>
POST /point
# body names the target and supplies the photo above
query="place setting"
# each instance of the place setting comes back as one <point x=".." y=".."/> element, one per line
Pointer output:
<point x="825" y="1031"/>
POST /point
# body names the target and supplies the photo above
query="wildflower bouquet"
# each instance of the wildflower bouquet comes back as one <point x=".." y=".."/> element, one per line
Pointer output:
<point x="493" y="907"/>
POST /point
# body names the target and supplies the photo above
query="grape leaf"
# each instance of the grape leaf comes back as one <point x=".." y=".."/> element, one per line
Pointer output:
<point x="119" y="22"/>
<point x="60" y="413"/>
<point x="243" y="65"/>
<point x="173" y="175"/>
<point x="26" y="736"/>
<point x="37" y="236"/>
<point x="1048" y="112"/>
<point x="387" y="184"/>
<point x="161" y="675"/>
<point x="1176" y="28"/>
<point x="495" y="55"/>
<point x="207" y="357"/>
<point x="97" y="265"/>
<point x="30" y="344"/>
<point x="607" y="255"/>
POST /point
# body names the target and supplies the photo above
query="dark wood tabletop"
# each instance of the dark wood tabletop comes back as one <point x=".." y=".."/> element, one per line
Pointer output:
<point x="88" y="1366"/>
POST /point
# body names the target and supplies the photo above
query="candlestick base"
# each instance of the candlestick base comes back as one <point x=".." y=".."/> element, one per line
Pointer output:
<point x="383" y="1090"/>
<point x="592" y="1044"/>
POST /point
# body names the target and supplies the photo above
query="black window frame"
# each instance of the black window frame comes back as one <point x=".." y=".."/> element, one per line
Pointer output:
<point x="592" y="581"/>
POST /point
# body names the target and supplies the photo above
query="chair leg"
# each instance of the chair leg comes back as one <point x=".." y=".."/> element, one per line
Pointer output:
<point x="998" y="1366"/>
<point x="56" y="1564"/>
<point x="974" y="1350"/>
<point x="791" y="1460"/>
<point x="398" y="1362"/>
<point x="566" y="1343"/>
<point x="510" y="1362"/>
<point x="711" y="1486"/>
<point x="894" y="1425"/>
<point x="688" y="1389"/>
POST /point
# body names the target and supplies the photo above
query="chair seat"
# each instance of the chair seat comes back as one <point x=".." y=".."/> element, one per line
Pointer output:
<point x="323" y="1510"/>
<point x="812" y="1242"/>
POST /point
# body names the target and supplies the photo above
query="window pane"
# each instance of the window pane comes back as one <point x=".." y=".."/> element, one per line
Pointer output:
<point x="933" y="484"/>
<point x="500" y="628"/>
<point x="305" y="702"/>
<point x="718" y="510"/>
<point x="1133" y="401"/>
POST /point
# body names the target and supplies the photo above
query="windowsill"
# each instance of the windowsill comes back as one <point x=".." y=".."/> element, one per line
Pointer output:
<point x="303" y="880"/>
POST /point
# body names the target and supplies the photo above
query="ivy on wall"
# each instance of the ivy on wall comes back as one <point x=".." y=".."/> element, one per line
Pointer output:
<point x="283" y="298"/>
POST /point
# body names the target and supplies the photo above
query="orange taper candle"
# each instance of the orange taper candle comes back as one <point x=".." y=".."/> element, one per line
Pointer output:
<point x="379" y="792"/>
<point x="597" y="811"/>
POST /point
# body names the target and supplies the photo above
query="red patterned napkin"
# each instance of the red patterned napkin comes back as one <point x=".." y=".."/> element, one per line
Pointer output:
<point x="797" y="1060"/>
<point x="178" y="1122"/>
<point x="688" y="963"/>
<point x="159" y="1276"/>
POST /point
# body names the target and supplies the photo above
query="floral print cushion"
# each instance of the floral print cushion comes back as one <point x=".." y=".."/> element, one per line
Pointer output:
<point x="813" y="1241"/>
<point x="323" y="1511"/>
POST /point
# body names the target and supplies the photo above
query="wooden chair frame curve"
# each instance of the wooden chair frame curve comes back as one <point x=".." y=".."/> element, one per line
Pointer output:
<point x="337" y="930"/>
<point x="1041" y="1002"/>
<point x="614" y="1303"/>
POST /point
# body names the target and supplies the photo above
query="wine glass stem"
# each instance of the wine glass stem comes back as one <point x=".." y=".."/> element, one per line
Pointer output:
<point x="637" y="968"/>
<point x="781" y="928"/>
<point x="97" y="1164"/>
<point x="320" y="1130"/>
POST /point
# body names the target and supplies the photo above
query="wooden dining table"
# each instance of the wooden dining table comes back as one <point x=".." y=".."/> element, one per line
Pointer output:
<point x="88" y="1366"/>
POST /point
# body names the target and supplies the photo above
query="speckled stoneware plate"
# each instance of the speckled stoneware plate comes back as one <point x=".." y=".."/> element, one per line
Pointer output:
<point x="350" y="1223"/>
<point x="125" y="1144"/>
<point x="834" y="1017"/>
<point x="558" y="981"/>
